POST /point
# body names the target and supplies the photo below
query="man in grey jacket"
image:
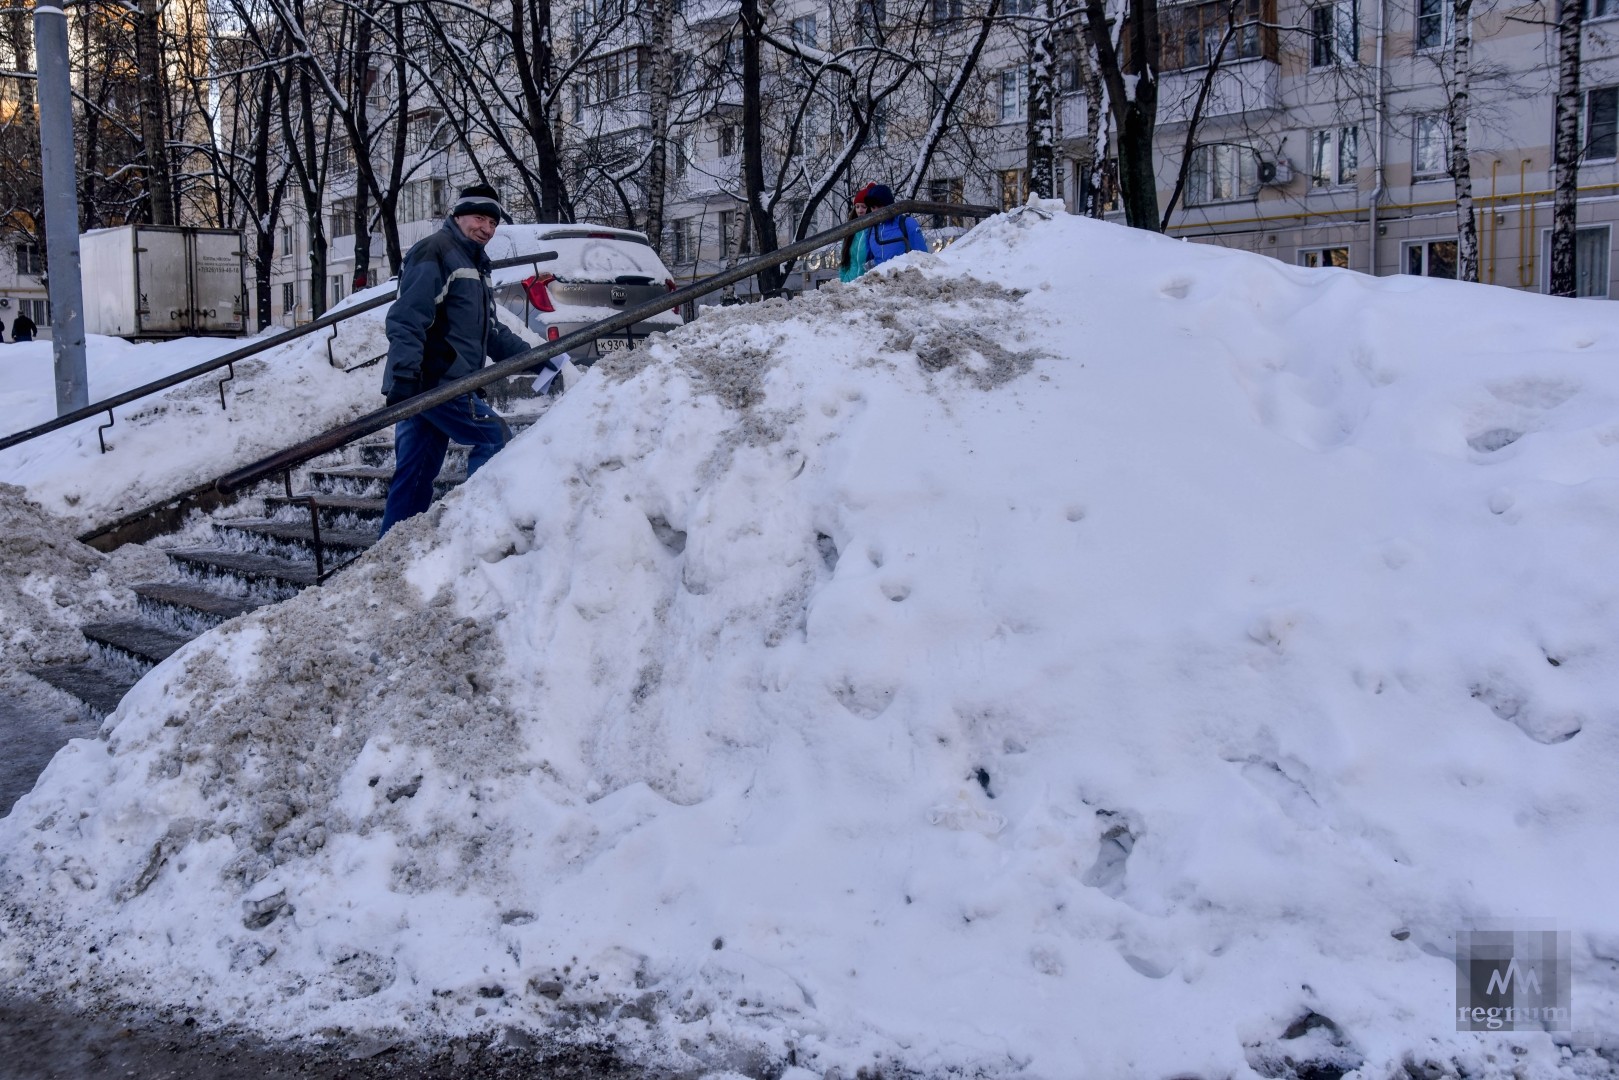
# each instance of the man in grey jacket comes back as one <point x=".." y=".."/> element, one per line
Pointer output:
<point x="440" y="328"/>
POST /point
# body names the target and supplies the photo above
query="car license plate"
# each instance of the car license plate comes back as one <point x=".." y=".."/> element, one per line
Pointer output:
<point x="613" y="344"/>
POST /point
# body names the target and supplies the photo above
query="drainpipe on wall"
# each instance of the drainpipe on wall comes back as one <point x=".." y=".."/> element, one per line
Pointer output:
<point x="1380" y="106"/>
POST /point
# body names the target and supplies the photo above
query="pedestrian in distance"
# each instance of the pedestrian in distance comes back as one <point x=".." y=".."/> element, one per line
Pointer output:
<point x="894" y="237"/>
<point x="23" y="329"/>
<point x="440" y="328"/>
<point x="853" y="262"/>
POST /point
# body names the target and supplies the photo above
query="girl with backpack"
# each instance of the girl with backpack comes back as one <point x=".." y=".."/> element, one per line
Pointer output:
<point x="853" y="263"/>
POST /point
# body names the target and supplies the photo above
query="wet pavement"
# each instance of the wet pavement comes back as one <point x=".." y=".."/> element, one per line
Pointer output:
<point x="30" y="735"/>
<point x="42" y="1041"/>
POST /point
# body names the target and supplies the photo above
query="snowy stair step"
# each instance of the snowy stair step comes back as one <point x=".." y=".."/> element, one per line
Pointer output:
<point x="375" y="475"/>
<point x="100" y="689"/>
<point x="330" y="504"/>
<point x="289" y="532"/>
<point x="205" y="601"/>
<point x="144" y="641"/>
<point x="245" y="565"/>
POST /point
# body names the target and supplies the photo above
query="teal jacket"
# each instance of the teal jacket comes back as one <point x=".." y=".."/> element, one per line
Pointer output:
<point x="857" y="257"/>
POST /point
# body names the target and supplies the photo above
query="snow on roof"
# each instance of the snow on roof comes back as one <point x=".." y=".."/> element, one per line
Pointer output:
<point x="1075" y="653"/>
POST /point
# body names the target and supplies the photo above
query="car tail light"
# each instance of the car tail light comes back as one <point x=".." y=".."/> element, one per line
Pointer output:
<point x="670" y="282"/>
<point x="552" y="333"/>
<point x="538" y="295"/>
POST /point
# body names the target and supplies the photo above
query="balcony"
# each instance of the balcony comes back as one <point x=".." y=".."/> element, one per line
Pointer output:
<point x="1241" y="86"/>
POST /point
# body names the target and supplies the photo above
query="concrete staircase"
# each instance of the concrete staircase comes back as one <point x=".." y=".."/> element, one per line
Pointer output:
<point x="257" y="560"/>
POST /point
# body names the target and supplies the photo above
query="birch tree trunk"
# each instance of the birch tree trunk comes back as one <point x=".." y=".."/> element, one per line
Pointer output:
<point x="1461" y="165"/>
<point x="1042" y="136"/>
<point x="1566" y="148"/>
<point x="662" y="91"/>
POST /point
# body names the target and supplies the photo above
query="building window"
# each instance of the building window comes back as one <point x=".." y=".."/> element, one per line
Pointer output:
<point x="945" y="12"/>
<point x="29" y="260"/>
<point x="581" y="21"/>
<point x="879" y="124"/>
<point x="1014" y="87"/>
<point x="343" y="217"/>
<point x="335" y="292"/>
<point x="286" y="240"/>
<point x="342" y="155"/>
<point x="38" y="311"/>
<point x="1014" y="188"/>
<point x="1430" y="144"/>
<point x="1431" y="258"/>
<point x="683" y="234"/>
<point x="804" y="30"/>
<point x="1320" y="257"/>
<point x="1591" y="247"/>
<point x="615" y="75"/>
<point x="869" y="18"/>
<point x="727" y="223"/>
<point x="1222" y="172"/>
<point x="946" y="189"/>
<point x="1436" y="23"/>
<point x="1334" y="34"/>
<point x="1601" y="9"/>
<point x="423" y="131"/>
<point x="682" y="155"/>
<point x="422" y="200"/>
<point x="1018" y="7"/>
<point x="289" y="298"/>
<point x="1599" y="125"/>
<point x="1190" y="34"/>
<point x="1334" y="157"/>
<point x="728" y="140"/>
<point x="579" y="98"/>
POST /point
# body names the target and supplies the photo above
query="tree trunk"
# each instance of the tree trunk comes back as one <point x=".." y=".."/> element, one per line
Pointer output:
<point x="753" y="169"/>
<point x="1132" y="91"/>
<point x="1566" y="149"/>
<point x="1461" y="165"/>
<point x="154" y="124"/>
<point x="1090" y="196"/>
<point x="1042" y="135"/>
<point x="662" y="91"/>
<point x="360" y="71"/>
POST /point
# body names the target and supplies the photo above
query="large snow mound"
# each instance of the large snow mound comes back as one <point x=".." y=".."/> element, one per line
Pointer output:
<point x="1077" y="654"/>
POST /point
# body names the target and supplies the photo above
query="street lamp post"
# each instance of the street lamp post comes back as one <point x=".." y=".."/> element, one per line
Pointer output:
<point x="61" y="208"/>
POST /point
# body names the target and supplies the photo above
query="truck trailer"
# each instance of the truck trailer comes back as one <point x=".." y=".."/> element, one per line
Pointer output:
<point x="160" y="281"/>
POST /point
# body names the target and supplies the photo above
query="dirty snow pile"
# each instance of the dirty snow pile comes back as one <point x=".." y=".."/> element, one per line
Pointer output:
<point x="1077" y="654"/>
<point x="170" y="442"/>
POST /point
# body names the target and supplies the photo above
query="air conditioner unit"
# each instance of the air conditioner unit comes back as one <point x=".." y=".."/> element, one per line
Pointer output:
<point x="1276" y="173"/>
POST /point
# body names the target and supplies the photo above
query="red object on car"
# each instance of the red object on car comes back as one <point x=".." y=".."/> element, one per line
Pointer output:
<point x="538" y="295"/>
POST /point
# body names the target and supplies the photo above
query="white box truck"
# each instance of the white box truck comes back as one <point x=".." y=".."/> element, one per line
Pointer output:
<point x="159" y="281"/>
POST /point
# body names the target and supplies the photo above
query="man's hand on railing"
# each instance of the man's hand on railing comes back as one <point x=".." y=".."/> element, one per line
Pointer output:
<point x="403" y="390"/>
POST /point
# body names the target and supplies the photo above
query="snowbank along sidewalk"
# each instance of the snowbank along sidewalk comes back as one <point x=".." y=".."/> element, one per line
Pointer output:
<point x="1078" y="654"/>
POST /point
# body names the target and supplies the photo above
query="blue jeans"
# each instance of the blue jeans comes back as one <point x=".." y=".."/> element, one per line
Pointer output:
<point x="419" y="446"/>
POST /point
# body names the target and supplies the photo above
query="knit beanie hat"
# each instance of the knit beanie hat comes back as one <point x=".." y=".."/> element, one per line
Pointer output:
<point x="860" y="196"/>
<point x="878" y="195"/>
<point x="480" y="199"/>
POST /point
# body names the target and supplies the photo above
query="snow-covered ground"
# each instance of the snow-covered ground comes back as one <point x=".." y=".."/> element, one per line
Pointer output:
<point x="1078" y="654"/>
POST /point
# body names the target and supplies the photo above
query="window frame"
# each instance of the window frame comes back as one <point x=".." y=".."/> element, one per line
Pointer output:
<point x="1425" y="246"/>
<point x="1337" y="175"/>
<point x="1587" y="141"/>
<point x="803" y="30"/>
<point x="1440" y="126"/>
<point x="1302" y="256"/>
<point x="1605" y="228"/>
<point x="1017" y="79"/>
<point x="29" y="258"/>
<point x="1337" y="43"/>
<point x="1200" y="190"/>
<point x="1446" y="18"/>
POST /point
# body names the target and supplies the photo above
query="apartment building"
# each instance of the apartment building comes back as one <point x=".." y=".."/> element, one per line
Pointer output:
<point x="1323" y="139"/>
<point x="1326" y="138"/>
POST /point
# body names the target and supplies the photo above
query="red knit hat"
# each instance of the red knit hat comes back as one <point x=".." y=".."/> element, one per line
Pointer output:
<point x="860" y="196"/>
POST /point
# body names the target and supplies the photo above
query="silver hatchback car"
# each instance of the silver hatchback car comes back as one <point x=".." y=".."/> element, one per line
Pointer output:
<point x="599" y="272"/>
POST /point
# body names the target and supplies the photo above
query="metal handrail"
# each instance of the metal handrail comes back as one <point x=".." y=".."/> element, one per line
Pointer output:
<point x="338" y="437"/>
<point x="230" y="358"/>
